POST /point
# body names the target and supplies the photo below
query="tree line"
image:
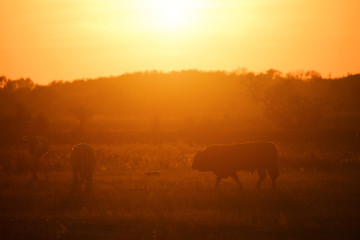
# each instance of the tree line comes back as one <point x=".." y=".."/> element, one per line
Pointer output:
<point x="188" y="100"/>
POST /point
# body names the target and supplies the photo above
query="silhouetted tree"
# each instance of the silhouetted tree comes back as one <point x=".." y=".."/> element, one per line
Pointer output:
<point x="3" y="81"/>
<point x="19" y="83"/>
<point x="284" y="105"/>
<point x="214" y="100"/>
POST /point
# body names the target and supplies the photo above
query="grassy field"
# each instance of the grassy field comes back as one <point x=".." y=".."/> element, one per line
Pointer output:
<point x="314" y="200"/>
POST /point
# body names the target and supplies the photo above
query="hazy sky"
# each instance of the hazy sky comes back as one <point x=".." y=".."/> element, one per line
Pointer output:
<point x="67" y="39"/>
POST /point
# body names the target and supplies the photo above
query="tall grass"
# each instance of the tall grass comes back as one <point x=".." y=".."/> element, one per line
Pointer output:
<point x="312" y="201"/>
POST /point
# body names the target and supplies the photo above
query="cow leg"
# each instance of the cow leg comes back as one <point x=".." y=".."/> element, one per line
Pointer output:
<point x="34" y="169"/>
<point x="46" y="166"/>
<point x="90" y="182"/>
<point x="273" y="174"/>
<point x="218" y="180"/>
<point x="86" y="183"/>
<point x="236" y="179"/>
<point x="262" y="176"/>
<point x="75" y="182"/>
<point x="273" y="179"/>
<point x="82" y="183"/>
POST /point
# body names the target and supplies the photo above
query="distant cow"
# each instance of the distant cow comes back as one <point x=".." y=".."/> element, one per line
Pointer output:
<point x="225" y="160"/>
<point x="37" y="148"/>
<point x="83" y="164"/>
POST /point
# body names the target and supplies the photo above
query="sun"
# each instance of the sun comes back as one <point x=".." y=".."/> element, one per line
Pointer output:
<point x="174" y="13"/>
<point x="168" y="15"/>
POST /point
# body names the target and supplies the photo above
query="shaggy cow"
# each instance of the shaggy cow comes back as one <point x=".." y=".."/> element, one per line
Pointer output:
<point x="225" y="160"/>
<point x="83" y="165"/>
<point x="37" y="148"/>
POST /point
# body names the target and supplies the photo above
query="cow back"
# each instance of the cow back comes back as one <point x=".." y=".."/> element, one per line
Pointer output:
<point x="246" y="156"/>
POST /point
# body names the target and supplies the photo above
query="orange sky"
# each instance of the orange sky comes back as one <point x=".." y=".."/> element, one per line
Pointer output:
<point x="67" y="39"/>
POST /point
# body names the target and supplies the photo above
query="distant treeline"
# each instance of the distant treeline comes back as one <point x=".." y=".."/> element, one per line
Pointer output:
<point x="188" y="101"/>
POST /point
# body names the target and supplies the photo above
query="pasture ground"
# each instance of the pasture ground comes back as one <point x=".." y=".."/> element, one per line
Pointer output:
<point x="180" y="203"/>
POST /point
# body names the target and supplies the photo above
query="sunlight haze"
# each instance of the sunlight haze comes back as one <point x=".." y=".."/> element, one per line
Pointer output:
<point x="48" y="40"/>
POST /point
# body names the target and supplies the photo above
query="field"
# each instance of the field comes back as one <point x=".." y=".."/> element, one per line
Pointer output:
<point x="318" y="196"/>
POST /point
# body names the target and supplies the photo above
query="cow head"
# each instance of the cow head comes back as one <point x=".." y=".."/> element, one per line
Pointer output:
<point x="199" y="162"/>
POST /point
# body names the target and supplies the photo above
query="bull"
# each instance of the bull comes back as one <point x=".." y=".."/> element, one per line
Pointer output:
<point x="225" y="160"/>
<point x="83" y="164"/>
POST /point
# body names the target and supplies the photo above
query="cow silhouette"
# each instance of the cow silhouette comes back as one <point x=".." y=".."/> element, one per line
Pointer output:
<point x="83" y="164"/>
<point x="225" y="160"/>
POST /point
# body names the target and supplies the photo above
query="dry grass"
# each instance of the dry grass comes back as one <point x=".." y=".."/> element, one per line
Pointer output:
<point x="179" y="203"/>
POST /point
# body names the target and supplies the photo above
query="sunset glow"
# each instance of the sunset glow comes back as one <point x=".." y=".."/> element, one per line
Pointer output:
<point x="69" y="39"/>
<point x="179" y="119"/>
<point x="171" y="15"/>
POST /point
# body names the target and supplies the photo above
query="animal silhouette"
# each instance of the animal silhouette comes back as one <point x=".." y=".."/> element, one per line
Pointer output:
<point x="225" y="160"/>
<point x="83" y="162"/>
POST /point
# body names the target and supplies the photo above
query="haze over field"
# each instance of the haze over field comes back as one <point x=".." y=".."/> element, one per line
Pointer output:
<point x="179" y="119"/>
<point x="50" y="40"/>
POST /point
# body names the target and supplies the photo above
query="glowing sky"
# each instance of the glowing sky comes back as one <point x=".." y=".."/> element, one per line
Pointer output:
<point x="67" y="39"/>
